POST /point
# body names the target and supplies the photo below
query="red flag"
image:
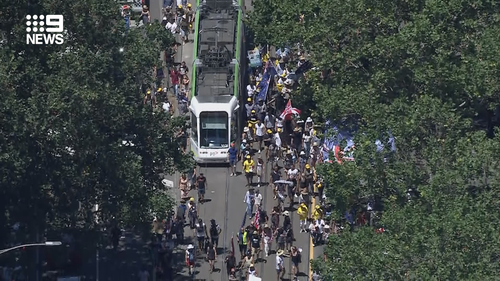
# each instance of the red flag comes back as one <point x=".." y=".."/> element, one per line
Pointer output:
<point x="289" y="111"/>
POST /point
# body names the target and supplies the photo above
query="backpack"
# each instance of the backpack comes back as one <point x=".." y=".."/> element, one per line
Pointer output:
<point x="199" y="228"/>
<point x="213" y="231"/>
<point x="191" y="256"/>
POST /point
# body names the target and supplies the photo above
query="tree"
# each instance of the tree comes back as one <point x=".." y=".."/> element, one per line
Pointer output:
<point x="425" y="71"/>
<point x="74" y="131"/>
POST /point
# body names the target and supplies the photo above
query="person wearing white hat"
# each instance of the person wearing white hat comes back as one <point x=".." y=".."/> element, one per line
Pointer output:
<point x="190" y="258"/>
<point x="280" y="265"/>
<point x="309" y="125"/>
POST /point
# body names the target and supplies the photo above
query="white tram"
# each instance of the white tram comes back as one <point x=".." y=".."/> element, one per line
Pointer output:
<point x="214" y="125"/>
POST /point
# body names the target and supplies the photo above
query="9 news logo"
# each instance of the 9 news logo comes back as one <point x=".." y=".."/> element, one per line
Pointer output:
<point x="41" y="29"/>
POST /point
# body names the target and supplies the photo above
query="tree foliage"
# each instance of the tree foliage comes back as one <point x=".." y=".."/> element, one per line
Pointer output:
<point x="74" y="132"/>
<point x="425" y="71"/>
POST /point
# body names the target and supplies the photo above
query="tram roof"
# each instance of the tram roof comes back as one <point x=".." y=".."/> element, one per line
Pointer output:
<point x="216" y="50"/>
<point x="227" y="104"/>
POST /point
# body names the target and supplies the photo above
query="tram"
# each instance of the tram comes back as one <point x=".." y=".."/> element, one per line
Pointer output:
<point x="215" y="115"/>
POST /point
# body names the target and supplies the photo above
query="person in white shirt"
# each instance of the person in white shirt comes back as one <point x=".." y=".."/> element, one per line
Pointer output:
<point x="279" y="124"/>
<point x="251" y="89"/>
<point x="166" y="106"/>
<point x="249" y="199"/>
<point x="252" y="271"/>
<point x="172" y="26"/>
<point x="277" y="141"/>
<point x="260" y="130"/>
<point x="292" y="176"/>
<point x="269" y="121"/>
<point x="257" y="200"/>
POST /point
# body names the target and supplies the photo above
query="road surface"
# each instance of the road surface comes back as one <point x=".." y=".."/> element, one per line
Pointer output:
<point x="225" y="195"/>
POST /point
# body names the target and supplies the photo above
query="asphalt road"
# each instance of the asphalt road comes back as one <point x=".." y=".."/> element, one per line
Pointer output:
<point x="225" y="204"/>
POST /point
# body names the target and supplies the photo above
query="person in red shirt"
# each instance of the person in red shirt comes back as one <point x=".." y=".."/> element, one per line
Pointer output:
<point x="174" y="78"/>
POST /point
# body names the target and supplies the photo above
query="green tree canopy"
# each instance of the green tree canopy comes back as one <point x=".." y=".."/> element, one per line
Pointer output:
<point x="427" y="71"/>
<point x="68" y="111"/>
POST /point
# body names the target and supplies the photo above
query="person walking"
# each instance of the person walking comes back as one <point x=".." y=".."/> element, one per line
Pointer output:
<point x="201" y="233"/>
<point x="242" y="241"/>
<point x="303" y="213"/>
<point x="201" y="185"/>
<point x="248" y="166"/>
<point x="257" y="201"/>
<point x="267" y="234"/>
<point x="232" y="157"/>
<point x="260" y="170"/>
<point x="183" y="186"/>
<point x="215" y="231"/>
<point x="211" y="256"/>
<point x="280" y="265"/>
<point x="260" y="130"/>
<point x="249" y="200"/>
<point x="296" y="258"/>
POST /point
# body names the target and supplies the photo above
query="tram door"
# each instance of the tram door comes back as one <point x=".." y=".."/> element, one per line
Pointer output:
<point x="235" y="125"/>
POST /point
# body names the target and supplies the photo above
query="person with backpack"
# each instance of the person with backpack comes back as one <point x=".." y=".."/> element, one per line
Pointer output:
<point x="190" y="258"/>
<point x="201" y="233"/>
<point x="211" y="256"/>
<point x="215" y="231"/>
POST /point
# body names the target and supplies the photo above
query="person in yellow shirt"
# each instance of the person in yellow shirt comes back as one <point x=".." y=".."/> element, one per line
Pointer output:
<point x="303" y="212"/>
<point x="318" y="213"/>
<point x="319" y="189"/>
<point x="248" y="166"/>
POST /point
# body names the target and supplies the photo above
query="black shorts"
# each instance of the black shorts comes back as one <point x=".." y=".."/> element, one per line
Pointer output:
<point x="201" y="191"/>
<point x="201" y="239"/>
<point x="249" y="175"/>
<point x="260" y="138"/>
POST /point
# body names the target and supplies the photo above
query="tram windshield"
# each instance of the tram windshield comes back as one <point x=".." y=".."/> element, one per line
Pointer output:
<point x="214" y="130"/>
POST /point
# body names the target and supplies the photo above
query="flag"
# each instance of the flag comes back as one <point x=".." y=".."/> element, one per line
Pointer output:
<point x="256" y="220"/>
<point x="289" y="111"/>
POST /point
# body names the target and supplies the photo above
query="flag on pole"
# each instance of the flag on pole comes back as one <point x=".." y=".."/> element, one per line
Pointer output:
<point x="289" y="111"/>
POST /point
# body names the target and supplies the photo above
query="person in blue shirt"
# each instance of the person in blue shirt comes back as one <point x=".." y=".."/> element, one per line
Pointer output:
<point x="232" y="156"/>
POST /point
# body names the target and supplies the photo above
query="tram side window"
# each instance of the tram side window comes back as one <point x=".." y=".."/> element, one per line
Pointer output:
<point x="194" y="128"/>
<point x="214" y="130"/>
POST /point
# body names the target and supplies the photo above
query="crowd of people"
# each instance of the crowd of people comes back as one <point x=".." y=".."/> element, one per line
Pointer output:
<point x="177" y="19"/>
<point x="291" y="148"/>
